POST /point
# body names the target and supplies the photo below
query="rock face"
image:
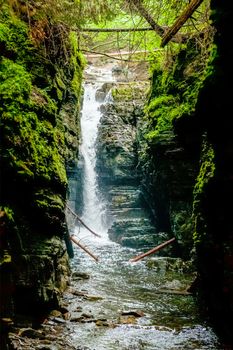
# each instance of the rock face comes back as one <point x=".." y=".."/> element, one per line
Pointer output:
<point x="39" y="105"/>
<point x="41" y="277"/>
<point x="186" y="160"/>
<point x="132" y="222"/>
<point x="169" y="173"/>
<point x="213" y="190"/>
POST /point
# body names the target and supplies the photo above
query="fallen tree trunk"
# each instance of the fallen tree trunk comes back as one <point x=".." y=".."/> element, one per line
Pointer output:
<point x="160" y="30"/>
<point x="185" y="15"/>
<point x="152" y="251"/>
<point x="84" y="248"/>
<point x="112" y="30"/>
<point x="81" y="221"/>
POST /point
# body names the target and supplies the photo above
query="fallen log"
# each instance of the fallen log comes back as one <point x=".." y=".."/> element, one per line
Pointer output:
<point x="185" y="15"/>
<point x="152" y="251"/>
<point x="83" y="223"/>
<point x="112" y="30"/>
<point x="84" y="248"/>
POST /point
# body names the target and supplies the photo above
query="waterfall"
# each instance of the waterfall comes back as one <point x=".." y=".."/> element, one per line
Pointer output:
<point x="94" y="214"/>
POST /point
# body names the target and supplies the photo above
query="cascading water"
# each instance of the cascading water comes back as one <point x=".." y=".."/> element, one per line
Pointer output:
<point x="94" y="214"/>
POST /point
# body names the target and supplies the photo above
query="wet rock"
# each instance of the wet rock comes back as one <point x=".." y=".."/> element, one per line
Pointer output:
<point x="43" y="276"/>
<point x="173" y="285"/>
<point x="31" y="333"/>
<point x="135" y="313"/>
<point x="82" y="318"/>
<point x="79" y="308"/>
<point x="100" y="95"/>
<point x="102" y="92"/>
<point x="127" y="319"/>
<point x="76" y="319"/>
<point x="93" y="297"/>
<point x="55" y="313"/>
<point x="66" y="316"/>
<point x="117" y="159"/>
<point x="102" y="323"/>
<point x="80" y="275"/>
<point x="46" y="347"/>
<point x="77" y="292"/>
<point x="170" y="264"/>
<point x="87" y="315"/>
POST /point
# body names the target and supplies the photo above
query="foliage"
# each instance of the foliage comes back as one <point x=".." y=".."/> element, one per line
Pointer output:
<point x="13" y="35"/>
<point x="29" y="143"/>
<point x="176" y="81"/>
<point x="125" y="15"/>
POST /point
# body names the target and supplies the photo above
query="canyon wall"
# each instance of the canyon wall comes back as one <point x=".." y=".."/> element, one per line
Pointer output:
<point x="40" y="84"/>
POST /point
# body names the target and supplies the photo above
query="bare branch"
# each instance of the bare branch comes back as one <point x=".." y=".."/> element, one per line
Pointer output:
<point x="145" y="14"/>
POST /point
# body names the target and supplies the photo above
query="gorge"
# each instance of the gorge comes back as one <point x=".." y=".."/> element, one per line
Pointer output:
<point x="155" y="162"/>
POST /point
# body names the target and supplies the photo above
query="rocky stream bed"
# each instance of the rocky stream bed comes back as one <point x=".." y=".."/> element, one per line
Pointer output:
<point x="120" y="305"/>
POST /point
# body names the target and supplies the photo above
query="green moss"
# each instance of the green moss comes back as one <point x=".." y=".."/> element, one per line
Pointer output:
<point x="174" y="91"/>
<point x="30" y="145"/>
<point x="129" y="92"/>
<point x="77" y="62"/>
<point x="14" y="39"/>
<point x="15" y="83"/>
<point x="43" y="104"/>
<point x="47" y="201"/>
<point x="159" y="115"/>
<point x="206" y="173"/>
<point x="34" y="87"/>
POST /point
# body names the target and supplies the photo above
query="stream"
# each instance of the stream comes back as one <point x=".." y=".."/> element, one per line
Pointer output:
<point x="115" y="304"/>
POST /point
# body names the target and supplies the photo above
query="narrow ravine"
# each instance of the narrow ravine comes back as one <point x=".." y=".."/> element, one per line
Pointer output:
<point x="115" y="304"/>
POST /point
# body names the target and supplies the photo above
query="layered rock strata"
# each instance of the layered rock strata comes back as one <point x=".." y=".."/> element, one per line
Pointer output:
<point x="132" y="222"/>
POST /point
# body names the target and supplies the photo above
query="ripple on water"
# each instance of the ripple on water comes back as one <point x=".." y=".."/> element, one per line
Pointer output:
<point x="170" y="321"/>
<point x="127" y="337"/>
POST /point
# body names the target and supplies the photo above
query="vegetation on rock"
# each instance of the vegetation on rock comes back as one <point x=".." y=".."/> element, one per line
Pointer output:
<point x="40" y="86"/>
